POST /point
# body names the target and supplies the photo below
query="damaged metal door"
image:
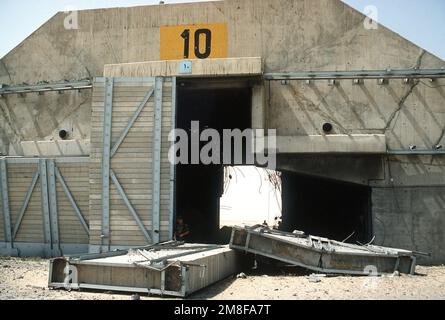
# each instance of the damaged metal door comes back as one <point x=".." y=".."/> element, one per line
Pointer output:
<point x="131" y="177"/>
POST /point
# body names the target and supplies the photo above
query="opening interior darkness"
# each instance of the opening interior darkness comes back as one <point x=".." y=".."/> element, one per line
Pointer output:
<point x="200" y="187"/>
<point x="326" y="208"/>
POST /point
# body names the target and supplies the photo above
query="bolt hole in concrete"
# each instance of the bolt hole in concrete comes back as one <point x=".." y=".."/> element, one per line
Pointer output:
<point x="63" y="134"/>
<point x="327" y="127"/>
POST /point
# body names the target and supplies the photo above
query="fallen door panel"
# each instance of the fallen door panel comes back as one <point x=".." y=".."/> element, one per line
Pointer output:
<point x="168" y="270"/>
<point x="320" y="254"/>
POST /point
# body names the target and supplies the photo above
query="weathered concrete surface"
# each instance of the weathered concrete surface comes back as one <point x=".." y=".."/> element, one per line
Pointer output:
<point x="407" y="114"/>
<point x="62" y="148"/>
<point x="290" y="35"/>
<point x="36" y="118"/>
<point x="415" y="171"/>
<point x="412" y="217"/>
<point x="332" y="144"/>
<point x="353" y="169"/>
<point x="207" y="67"/>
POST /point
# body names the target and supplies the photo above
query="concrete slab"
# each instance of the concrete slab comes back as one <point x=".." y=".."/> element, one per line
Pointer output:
<point x="60" y="148"/>
<point x="333" y="144"/>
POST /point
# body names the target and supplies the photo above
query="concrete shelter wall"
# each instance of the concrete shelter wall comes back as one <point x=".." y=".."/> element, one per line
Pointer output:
<point x="411" y="217"/>
<point x="289" y="35"/>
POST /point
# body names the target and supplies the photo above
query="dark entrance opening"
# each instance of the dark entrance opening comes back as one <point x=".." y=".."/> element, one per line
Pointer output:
<point x="219" y="106"/>
<point x="326" y="208"/>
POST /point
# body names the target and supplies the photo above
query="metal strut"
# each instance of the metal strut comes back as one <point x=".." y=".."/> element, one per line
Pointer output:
<point x="358" y="74"/>
<point x="47" y="87"/>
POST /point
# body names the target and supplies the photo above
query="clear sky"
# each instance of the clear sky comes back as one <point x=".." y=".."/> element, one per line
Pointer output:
<point x="250" y="198"/>
<point x="421" y="21"/>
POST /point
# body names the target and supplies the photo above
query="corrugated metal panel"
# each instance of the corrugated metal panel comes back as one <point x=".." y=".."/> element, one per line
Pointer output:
<point x="219" y="264"/>
<point x="27" y="217"/>
<point x="19" y="179"/>
<point x="76" y="177"/>
<point x="132" y="162"/>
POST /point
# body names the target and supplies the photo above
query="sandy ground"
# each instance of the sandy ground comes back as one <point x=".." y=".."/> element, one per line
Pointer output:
<point x="27" y="279"/>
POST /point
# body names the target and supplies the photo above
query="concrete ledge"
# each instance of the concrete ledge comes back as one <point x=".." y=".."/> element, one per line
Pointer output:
<point x="62" y="148"/>
<point x="208" y="67"/>
<point x="346" y="144"/>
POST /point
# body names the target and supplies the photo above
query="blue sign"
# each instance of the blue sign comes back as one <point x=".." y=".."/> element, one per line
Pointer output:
<point x="185" y="67"/>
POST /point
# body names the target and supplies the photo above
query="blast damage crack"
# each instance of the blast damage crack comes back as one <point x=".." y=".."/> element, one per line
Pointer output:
<point x="402" y="101"/>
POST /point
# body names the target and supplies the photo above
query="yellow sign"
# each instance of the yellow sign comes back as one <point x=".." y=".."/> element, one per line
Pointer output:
<point x="197" y="41"/>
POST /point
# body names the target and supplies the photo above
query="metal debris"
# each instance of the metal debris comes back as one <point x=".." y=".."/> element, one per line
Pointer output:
<point x="321" y="254"/>
<point x="313" y="278"/>
<point x="170" y="269"/>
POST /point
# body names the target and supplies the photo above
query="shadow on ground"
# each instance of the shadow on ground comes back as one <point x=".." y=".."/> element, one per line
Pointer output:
<point x="264" y="267"/>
